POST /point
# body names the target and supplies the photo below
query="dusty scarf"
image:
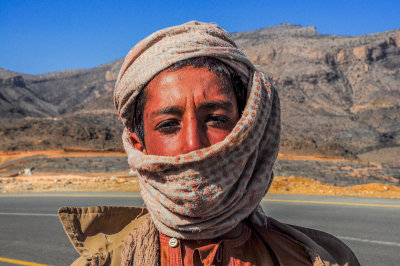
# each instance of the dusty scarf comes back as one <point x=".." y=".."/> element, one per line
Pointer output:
<point x="205" y="193"/>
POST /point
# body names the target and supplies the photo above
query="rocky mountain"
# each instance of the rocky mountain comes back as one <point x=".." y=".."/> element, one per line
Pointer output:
<point x="56" y="93"/>
<point x="18" y="101"/>
<point x="340" y="95"/>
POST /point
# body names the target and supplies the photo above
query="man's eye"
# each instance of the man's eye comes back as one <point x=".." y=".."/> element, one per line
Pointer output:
<point x="168" y="126"/>
<point x="217" y="120"/>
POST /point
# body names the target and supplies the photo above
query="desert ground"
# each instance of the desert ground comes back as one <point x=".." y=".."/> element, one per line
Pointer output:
<point x="95" y="170"/>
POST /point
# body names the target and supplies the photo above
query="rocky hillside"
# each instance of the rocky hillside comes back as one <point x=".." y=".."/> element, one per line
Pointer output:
<point x="54" y="94"/>
<point x="340" y="95"/>
<point x="18" y="101"/>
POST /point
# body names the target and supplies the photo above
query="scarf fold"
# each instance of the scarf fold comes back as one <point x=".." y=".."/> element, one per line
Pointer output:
<point x="205" y="193"/>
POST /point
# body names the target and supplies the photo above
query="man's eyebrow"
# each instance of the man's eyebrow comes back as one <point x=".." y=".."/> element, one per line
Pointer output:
<point x="169" y="110"/>
<point x="213" y="105"/>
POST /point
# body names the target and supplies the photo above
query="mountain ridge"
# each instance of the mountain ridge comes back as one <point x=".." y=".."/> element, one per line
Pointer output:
<point x="340" y="94"/>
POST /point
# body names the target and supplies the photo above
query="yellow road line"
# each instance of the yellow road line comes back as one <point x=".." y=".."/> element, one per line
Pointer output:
<point x="88" y="195"/>
<point x="334" y="203"/>
<point x="21" y="262"/>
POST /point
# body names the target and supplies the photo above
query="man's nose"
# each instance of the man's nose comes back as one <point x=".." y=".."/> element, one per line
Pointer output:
<point x="195" y="136"/>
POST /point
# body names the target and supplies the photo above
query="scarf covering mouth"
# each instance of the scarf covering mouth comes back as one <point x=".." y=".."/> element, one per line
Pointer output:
<point x="205" y="193"/>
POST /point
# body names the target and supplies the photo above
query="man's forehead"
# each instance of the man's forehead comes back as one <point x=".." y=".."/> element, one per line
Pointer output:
<point x="187" y="72"/>
<point x="193" y="79"/>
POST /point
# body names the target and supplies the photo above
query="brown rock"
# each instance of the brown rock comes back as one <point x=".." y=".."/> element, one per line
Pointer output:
<point x="111" y="76"/>
<point x="397" y="40"/>
<point x="361" y="52"/>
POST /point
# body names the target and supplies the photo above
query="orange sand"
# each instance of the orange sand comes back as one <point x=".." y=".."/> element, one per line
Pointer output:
<point x="9" y="156"/>
<point x="311" y="158"/>
<point x="305" y="186"/>
<point x="121" y="182"/>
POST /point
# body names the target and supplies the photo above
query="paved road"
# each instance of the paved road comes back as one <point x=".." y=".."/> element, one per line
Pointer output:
<point x="30" y="230"/>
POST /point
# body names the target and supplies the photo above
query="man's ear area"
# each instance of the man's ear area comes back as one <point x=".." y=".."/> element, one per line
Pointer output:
<point x="136" y="143"/>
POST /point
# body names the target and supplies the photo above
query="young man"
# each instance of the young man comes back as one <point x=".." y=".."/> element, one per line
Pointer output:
<point x="202" y="129"/>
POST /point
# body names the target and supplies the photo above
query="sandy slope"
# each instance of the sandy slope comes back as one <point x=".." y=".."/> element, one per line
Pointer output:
<point x="120" y="181"/>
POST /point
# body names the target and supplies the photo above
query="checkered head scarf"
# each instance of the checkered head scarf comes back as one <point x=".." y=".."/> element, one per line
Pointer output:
<point x="205" y="193"/>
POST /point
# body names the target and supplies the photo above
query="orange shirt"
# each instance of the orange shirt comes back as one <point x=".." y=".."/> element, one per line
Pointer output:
<point x="248" y="249"/>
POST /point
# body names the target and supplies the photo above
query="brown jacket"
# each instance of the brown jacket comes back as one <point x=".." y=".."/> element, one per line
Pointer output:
<point x="99" y="235"/>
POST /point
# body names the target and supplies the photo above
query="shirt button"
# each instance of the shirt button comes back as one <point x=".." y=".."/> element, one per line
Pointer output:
<point x="173" y="242"/>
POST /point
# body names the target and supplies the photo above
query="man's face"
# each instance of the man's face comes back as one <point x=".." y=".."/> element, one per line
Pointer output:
<point x="186" y="110"/>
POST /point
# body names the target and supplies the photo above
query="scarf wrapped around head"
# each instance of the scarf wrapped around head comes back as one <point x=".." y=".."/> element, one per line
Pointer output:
<point x="205" y="193"/>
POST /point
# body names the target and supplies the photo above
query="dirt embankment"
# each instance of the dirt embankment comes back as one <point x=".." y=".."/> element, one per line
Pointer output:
<point x="120" y="182"/>
<point x="95" y="175"/>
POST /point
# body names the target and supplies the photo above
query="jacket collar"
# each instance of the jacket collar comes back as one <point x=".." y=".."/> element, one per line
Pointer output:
<point x="97" y="231"/>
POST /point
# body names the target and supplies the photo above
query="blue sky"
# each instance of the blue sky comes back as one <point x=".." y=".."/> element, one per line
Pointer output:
<point x="46" y="36"/>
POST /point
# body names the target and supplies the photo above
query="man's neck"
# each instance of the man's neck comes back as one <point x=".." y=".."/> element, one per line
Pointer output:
<point x="234" y="233"/>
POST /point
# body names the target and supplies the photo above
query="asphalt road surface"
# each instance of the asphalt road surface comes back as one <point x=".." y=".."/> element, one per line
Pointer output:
<point x="30" y="230"/>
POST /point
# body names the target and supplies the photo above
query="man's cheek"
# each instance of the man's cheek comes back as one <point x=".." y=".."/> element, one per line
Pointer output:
<point x="163" y="145"/>
<point x="217" y="135"/>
